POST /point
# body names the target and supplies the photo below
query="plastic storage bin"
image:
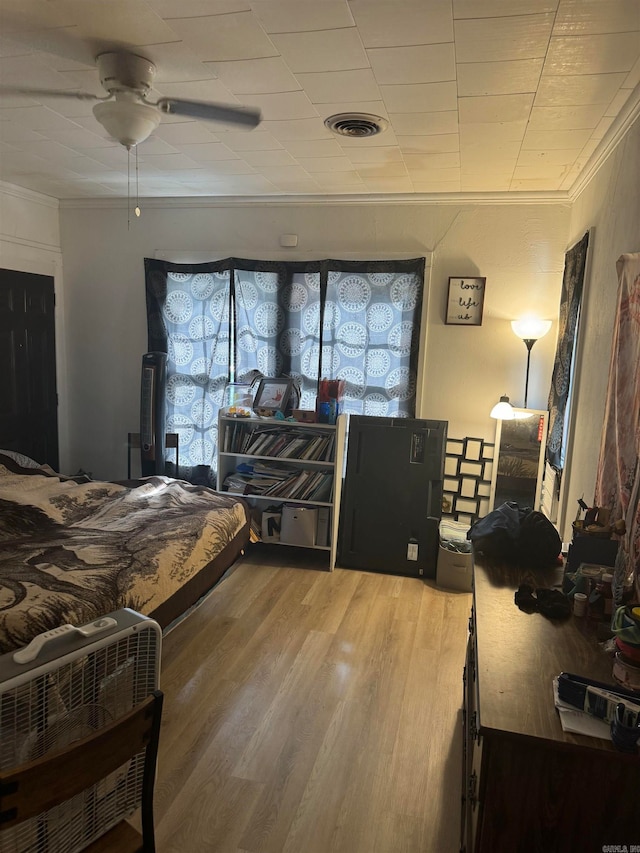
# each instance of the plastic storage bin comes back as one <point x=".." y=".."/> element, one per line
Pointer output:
<point x="455" y="565"/>
<point x="299" y="525"/>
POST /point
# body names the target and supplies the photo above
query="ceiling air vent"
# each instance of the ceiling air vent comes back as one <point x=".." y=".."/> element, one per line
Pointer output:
<point x="356" y="125"/>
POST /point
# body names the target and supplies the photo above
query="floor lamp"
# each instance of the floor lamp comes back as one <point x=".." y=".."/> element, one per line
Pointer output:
<point x="530" y="330"/>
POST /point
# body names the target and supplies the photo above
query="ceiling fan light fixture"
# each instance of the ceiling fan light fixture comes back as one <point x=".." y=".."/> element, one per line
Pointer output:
<point x="129" y="121"/>
<point x="356" y="125"/>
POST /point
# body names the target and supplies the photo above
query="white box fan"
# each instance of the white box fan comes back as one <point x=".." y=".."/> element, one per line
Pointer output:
<point x="63" y="686"/>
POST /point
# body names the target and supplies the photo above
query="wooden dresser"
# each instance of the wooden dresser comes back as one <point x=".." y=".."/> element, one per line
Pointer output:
<point x="528" y="786"/>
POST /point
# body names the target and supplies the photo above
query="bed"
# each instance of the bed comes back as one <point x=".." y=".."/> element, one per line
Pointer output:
<point x="73" y="549"/>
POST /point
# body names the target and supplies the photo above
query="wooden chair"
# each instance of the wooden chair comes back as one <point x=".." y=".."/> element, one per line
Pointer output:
<point x="36" y="786"/>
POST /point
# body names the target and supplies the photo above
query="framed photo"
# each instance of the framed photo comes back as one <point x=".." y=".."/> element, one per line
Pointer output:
<point x="465" y="301"/>
<point x="272" y="395"/>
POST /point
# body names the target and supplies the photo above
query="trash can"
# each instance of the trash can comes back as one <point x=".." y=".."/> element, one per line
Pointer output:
<point x="455" y="565"/>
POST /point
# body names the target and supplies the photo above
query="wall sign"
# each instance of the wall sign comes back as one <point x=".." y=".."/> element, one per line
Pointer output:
<point x="465" y="302"/>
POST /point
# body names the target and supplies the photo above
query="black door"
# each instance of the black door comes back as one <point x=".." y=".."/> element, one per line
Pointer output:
<point x="28" y="398"/>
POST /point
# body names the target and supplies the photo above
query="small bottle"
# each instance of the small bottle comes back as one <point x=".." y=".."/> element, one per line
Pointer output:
<point x="606" y="591"/>
<point x="579" y="604"/>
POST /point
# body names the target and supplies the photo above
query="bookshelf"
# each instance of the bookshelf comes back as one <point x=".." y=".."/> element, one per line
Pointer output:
<point x="287" y="467"/>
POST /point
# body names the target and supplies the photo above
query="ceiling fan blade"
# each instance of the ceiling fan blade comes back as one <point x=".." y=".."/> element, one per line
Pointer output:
<point x="48" y="93"/>
<point x="246" y="116"/>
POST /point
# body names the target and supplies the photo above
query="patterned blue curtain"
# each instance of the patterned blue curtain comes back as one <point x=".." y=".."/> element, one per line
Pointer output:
<point x="236" y="318"/>
<point x="371" y="331"/>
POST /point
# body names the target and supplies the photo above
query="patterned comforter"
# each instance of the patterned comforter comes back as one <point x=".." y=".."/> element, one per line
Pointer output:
<point x="72" y="550"/>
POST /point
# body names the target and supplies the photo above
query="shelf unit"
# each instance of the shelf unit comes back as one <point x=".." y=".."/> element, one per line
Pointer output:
<point x="274" y="462"/>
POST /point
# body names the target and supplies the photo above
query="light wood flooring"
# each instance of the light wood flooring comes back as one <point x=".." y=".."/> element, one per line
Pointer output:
<point x="313" y="712"/>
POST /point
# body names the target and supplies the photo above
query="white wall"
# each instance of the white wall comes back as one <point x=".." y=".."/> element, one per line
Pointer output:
<point x="611" y="206"/>
<point x="519" y="248"/>
<point x="30" y="242"/>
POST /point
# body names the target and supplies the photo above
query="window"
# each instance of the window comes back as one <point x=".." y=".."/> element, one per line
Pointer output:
<point x="230" y="320"/>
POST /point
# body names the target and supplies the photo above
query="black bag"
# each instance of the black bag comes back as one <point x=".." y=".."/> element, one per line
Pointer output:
<point x="518" y="535"/>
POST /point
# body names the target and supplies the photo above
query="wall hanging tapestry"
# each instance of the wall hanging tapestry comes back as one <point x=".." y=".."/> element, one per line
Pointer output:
<point x="618" y="480"/>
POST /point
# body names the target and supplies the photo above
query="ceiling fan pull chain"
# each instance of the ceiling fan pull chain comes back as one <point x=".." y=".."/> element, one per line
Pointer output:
<point x="137" y="210"/>
<point x="128" y="187"/>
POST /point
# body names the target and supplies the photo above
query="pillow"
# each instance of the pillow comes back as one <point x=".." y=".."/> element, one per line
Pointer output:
<point x="21" y="459"/>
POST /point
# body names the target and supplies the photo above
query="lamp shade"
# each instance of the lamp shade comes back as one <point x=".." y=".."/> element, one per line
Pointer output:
<point x="503" y="410"/>
<point x="530" y="328"/>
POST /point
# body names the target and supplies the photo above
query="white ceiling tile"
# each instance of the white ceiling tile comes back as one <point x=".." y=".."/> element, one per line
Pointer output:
<point x="37" y="118"/>
<point x="222" y="37"/>
<point x="579" y="89"/>
<point x="376" y="108"/>
<point x="12" y="131"/>
<point x="185" y="132"/>
<point x="255" y="76"/>
<point x="269" y="159"/>
<point x="315" y="148"/>
<point x="437" y="144"/>
<point x="360" y="155"/>
<point x="436" y="173"/>
<point x="485" y="183"/>
<point x="166" y="162"/>
<point x="382" y="170"/>
<point x="420" y="97"/>
<point x="477" y="154"/>
<point x="492" y="133"/>
<point x="126" y="21"/>
<point x="577" y="17"/>
<point x="285" y="106"/>
<point x="358" y="85"/>
<point x="391" y="184"/>
<point x="328" y="50"/>
<point x="293" y="16"/>
<point x="555" y="139"/>
<point x="436" y="186"/>
<point x="499" y="8"/>
<point x="495" y="108"/>
<point x="197" y="8"/>
<point x="431" y="63"/>
<point x="500" y="39"/>
<point x="556" y="157"/>
<point x="326" y="164"/>
<point x="498" y="78"/>
<point x="78" y="137"/>
<point x="208" y="151"/>
<point x="226" y="167"/>
<point x="380" y="25"/>
<point x="302" y="129"/>
<point x="580" y="59"/>
<point x="425" y="162"/>
<point x="566" y="118"/>
<point x="528" y="173"/>
<point x="416" y="124"/>
<point x="600" y="54"/>
<point x="256" y="140"/>
<point x="339" y="181"/>
<point x="533" y="185"/>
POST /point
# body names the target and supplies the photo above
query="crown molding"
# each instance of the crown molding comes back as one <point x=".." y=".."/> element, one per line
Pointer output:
<point x="195" y="202"/>
<point x="29" y="195"/>
<point x="616" y="133"/>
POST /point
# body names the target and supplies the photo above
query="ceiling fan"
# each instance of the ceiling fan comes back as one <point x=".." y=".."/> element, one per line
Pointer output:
<point x="126" y="114"/>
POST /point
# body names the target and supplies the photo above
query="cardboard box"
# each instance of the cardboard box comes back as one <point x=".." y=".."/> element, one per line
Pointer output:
<point x="299" y="525"/>
<point x="454" y="570"/>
